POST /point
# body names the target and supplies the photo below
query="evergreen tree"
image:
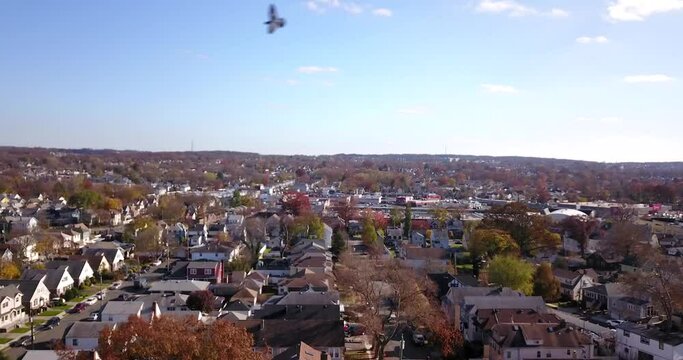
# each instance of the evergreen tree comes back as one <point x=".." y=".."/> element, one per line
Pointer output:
<point x="408" y="223"/>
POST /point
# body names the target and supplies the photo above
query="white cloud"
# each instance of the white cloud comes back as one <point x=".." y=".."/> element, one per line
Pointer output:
<point x="415" y="110"/>
<point x="321" y="6"/>
<point x="317" y="69"/>
<point x="516" y="9"/>
<point x="499" y="89"/>
<point x="638" y="10"/>
<point x="292" y="82"/>
<point x="607" y="120"/>
<point x="592" y="40"/>
<point x="383" y="12"/>
<point x="559" y="13"/>
<point x="653" y="78"/>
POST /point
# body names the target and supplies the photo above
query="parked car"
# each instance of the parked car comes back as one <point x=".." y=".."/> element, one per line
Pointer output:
<point x="123" y="297"/>
<point x="79" y="308"/>
<point x="354" y="329"/>
<point x="115" y="285"/>
<point x="22" y="341"/>
<point x="94" y="316"/>
<point x="614" y="323"/>
<point x="57" y="301"/>
<point x="52" y="323"/>
<point x="100" y="295"/>
<point x="91" y="300"/>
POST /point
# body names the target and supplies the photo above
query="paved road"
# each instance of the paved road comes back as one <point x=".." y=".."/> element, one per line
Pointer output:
<point x="43" y="338"/>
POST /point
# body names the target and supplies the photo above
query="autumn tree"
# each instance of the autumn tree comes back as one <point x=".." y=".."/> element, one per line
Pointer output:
<point x="375" y="284"/>
<point x="546" y="284"/>
<point x="442" y="216"/>
<point x="530" y="231"/>
<point x="660" y="279"/>
<point x="624" y="238"/>
<point x="408" y="223"/>
<point x="346" y="210"/>
<point x="170" y="209"/>
<point x="201" y="300"/>
<point x="190" y="340"/>
<point x="580" y="228"/>
<point x="147" y="241"/>
<point x="396" y="216"/>
<point x="512" y="272"/>
<point x="296" y="203"/>
<point x="487" y="243"/>
<point x="9" y="270"/>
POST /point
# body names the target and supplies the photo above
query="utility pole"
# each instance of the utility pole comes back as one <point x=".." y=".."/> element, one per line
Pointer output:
<point x="403" y="345"/>
<point x="30" y="319"/>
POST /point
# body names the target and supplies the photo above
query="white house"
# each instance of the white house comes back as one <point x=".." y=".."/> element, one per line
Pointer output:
<point x="11" y="307"/>
<point x="85" y="335"/>
<point x="36" y="294"/>
<point x="22" y="223"/>
<point x="120" y="311"/>
<point x="635" y="342"/>
<point x="538" y="341"/>
<point x="25" y="246"/>
<point x="58" y="281"/>
<point x="79" y="270"/>
<point x="214" y="252"/>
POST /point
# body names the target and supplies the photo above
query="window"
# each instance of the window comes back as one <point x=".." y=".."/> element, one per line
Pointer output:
<point x="74" y="342"/>
<point x="644" y="340"/>
<point x="538" y="354"/>
<point x="547" y="355"/>
<point x="626" y="333"/>
<point x="569" y="352"/>
<point x="207" y="271"/>
<point x="193" y="271"/>
<point x="509" y="354"/>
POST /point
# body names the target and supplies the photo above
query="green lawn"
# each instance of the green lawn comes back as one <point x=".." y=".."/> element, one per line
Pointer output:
<point x="5" y="340"/>
<point x="21" y="330"/>
<point x="51" y="312"/>
<point x="465" y="266"/>
<point x="37" y="322"/>
<point x="61" y="307"/>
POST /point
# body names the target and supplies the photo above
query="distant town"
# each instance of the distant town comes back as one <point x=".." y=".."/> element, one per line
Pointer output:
<point x="109" y="254"/>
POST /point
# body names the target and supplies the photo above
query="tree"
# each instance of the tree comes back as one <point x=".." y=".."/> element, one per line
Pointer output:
<point x="339" y="239"/>
<point x="487" y="243"/>
<point x="529" y="230"/>
<point x="9" y="270"/>
<point x="660" y="278"/>
<point x="441" y="216"/>
<point x="47" y="244"/>
<point x="512" y="272"/>
<point x="296" y="203"/>
<point x="369" y="234"/>
<point x="142" y="339"/>
<point x="408" y="222"/>
<point x="171" y="209"/>
<point x="580" y="229"/>
<point x="545" y="283"/>
<point x="624" y="238"/>
<point x="147" y="241"/>
<point x="396" y="216"/>
<point x="236" y="200"/>
<point x="201" y="301"/>
<point x="375" y="284"/>
<point x="346" y="210"/>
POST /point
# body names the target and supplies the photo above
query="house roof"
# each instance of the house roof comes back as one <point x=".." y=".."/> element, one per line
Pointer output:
<point x="310" y="298"/>
<point x="123" y="307"/>
<point x="75" y="267"/>
<point x="52" y="277"/>
<point x="212" y="248"/>
<point x="202" y="265"/>
<point x="9" y="291"/>
<point x="420" y="253"/>
<point x="673" y="338"/>
<point x="302" y="351"/>
<point x="457" y="295"/>
<point x="237" y="305"/>
<point x="298" y="312"/>
<point x="565" y="274"/>
<point x="27" y="287"/>
<point x="179" y="286"/>
<point x="506" y="302"/>
<point x="519" y="335"/>
<point x="491" y="317"/>
<point x="88" y="329"/>
<point x="287" y="333"/>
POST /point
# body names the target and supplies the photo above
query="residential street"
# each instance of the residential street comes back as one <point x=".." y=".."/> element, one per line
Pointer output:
<point x="43" y="338"/>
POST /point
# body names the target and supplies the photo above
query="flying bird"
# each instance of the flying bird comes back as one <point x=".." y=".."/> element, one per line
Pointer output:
<point x="274" y="22"/>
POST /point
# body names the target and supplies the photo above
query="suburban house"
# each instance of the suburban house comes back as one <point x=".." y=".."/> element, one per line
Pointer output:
<point x="635" y="342"/>
<point x="305" y="280"/>
<point x="79" y="270"/>
<point x="85" y="335"/>
<point x="538" y="341"/>
<point x="25" y="247"/>
<point x="280" y="335"/>
<point x="215" y="252"/>
<point x="71" y="239"/>
<point x="440" y="239"/>
<point x="114" y="255"/>
<point x="11" y="308"/>
<point x="58" y="281"/>
<point x="98" y="263"/>
<point x="211" y="271"/>
<point x="427" y="259"/>
<point x="473" y="304"/>
<point x="120" y="311"/>
<point x="302" y="351"/>
<point x="197" y="234"/>
<point x="572" y="283"/>
<point x="596" y="297"/>
<point x="21" y="223"/>
<point x="629" y="308"/>
<point x="36" y="295"/>
<point x="394" y="233"/>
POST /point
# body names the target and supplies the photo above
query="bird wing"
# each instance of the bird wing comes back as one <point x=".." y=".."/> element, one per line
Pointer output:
<point x="272" y="27"/>
<point x="273" y="12"/>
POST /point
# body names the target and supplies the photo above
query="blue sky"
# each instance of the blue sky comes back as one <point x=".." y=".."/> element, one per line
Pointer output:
<point x="579" y="79"/>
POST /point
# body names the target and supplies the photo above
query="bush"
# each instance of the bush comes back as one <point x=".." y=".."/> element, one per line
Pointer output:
<point x="71" y="294"/>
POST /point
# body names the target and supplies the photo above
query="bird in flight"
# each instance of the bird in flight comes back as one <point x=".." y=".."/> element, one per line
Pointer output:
<point x="274" y="22"/>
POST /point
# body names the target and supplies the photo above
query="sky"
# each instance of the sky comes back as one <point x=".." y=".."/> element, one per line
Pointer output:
<point x="577" y="79"/>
